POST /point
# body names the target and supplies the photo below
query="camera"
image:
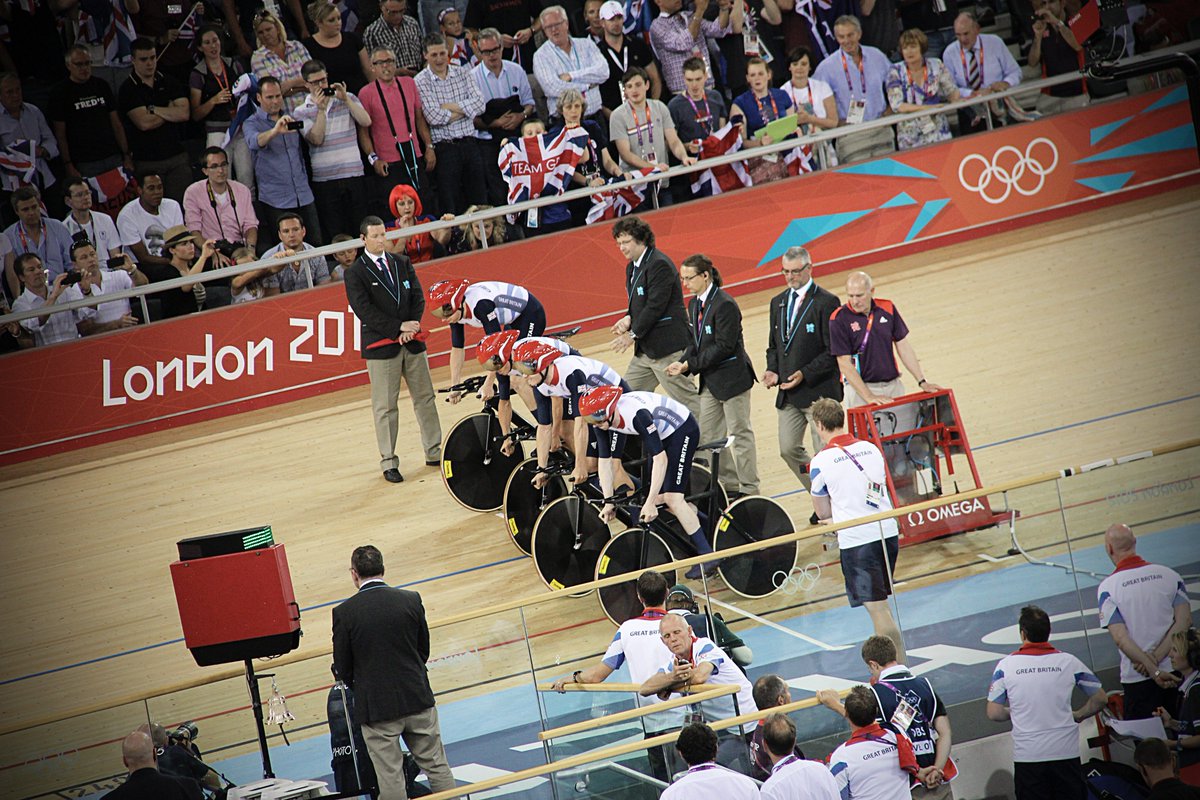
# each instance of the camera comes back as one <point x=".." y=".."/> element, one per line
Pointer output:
<point x="79" y="236"/>
<point x="295" y="126"/>
<point x="226" y="248"/>
<point x="73" y="276"/>
<point x="187" y="730"/>
<point x="115" y="263"/>
<point x="329" y="91"/>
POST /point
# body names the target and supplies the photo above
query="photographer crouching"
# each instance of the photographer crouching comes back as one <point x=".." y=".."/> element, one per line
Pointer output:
<point x="180" y="758"/>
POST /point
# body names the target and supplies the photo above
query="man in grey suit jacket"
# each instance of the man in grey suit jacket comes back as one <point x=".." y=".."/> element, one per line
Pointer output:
<point x="799" y="362"/>
<point x="380" y="646"/>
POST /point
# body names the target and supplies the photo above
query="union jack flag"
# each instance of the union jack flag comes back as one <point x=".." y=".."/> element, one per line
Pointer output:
<point x="18" y="164"/>
<point x="618" y="202"/>
<point x="113" y="189"/>
<point x="533" y="164"/>
<point x="107" y="22"/>
<point x="799" y="159"/>
<point x="724" y="177"/>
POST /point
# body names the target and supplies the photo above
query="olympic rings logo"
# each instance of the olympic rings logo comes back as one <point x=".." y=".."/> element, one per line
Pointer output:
<point x="1010" y="169"/>
<point x="800" y="579"/>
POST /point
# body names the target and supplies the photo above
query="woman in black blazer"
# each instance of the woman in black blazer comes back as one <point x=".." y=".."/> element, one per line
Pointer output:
<point x="717" y="354"/>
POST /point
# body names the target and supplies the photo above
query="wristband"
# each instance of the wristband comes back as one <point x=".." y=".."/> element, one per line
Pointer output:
<point x="922" y="382"/>
<point x="372" y="158"/>
<point x="575" y="676"/>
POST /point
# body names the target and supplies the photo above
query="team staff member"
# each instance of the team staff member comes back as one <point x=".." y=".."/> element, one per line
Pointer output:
<point x="1032" y="687"/>
<point x="849" y="480"/>
<point x="656" y="325"/>
<point x="705" y="778"/>
<point x="669" y="433"/>
<point x="386" y="296"/>
<point x="1144" y="606"/>
<point x="909" y="704"/>
<point x="380" y="649"/>
<point x="495" y="355"/>
<point x="717" y="353"/>
<point x="875" y="763"/>
<point x="558" y="383"/>
<point x="697" y="660"/>
<point x="638" y="642"/>
<point x="799" y="363"/>
<point x="862" y="334"/>
<point x="490" y="305"/>
<point x="791" y="776"/>
<point x="1182" y="720"/>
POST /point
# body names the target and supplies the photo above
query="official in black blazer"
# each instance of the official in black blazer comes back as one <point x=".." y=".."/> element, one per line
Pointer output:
<point x="386" y="296"/>
<point x="798" y="359"/>
<point x="656" y="325"/>
<point x="380" y="646"/>
<point x="717" y="354"/>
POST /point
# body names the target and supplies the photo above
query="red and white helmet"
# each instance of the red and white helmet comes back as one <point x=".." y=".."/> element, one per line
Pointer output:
<point x="496" y="349"/>
<point x="446" y="297"/>
<point x="600" y="404"/>
<point x="532" y="356"/>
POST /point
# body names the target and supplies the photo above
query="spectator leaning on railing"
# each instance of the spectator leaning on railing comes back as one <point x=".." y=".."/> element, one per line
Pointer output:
<point x="142" y="223"/>
<point x="46" y="328"/>
<point x="219" y="208"/>
<point x="293" y="276"/>
<point x="96" y="282"/>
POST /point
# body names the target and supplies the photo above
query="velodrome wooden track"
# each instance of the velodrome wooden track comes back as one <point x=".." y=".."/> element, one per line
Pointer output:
<point x="1035" y="329"/>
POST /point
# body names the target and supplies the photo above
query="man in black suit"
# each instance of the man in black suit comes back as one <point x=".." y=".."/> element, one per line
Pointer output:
<point x="380" y="646"/>
<point x="798" y="358"/>
<point x="145" y="782"/>
<point x="656" y="324"/>
<point x="717" y="353"/>
<point x="386" y="297"/>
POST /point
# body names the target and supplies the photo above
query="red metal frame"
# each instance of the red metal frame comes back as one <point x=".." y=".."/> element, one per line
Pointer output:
<point x="949" y="438"/>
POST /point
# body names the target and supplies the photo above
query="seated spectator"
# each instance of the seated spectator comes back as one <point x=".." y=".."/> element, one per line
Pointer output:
<point x="812" y="100"/>
<point x="332" y="117"/>
<point x="342" y="52"/>
<point x="398" y="32"/>
<point x="471" y="237"/>
<point x="450" y="101"/>
<point x="770" y="691"/>
<point x="980" y="63"/>
<point x="24" y="121"/>
<point x="563" y="62"/>
<point x="96" y="282"/>
<point x="508" y="101"/>
<point x="98" y="227"/>
<point x="1056" y="50"/>
<point x="255" y="284"/>
<point x="143" y="222"/>
<point x="757" y="106"/>
<point x="300" y="273"/>
<point x="274" y="141"/>
<point x="857" y="75"/>
<point x="622" y="52"/>
<point x="405" y="204"/>
<point x="677" y="35"/>
<point x="83" y="112"/>
<point x="212" y="101"/>
<point x="450" y="26"/>
<point x="915" y="84"/>
<point x="342" y="258"/>
<point x="155" y="107"/>
<point x="398" y="137"/>
<point x="47" y="328"/>
<point x="279" y="58"/>
<point x="219" y="208"/>
<point x="180" y="246"/>
<point x="698" y="112"/>
<point x="35" y="233"/>
<point x="649" y="122"/>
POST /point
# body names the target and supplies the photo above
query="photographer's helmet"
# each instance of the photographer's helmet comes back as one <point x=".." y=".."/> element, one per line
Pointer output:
<point x="530" y="357"/>
<point x="600" y="404"/>
<point x="446" y="297"/>
<point x="496" y="349"/>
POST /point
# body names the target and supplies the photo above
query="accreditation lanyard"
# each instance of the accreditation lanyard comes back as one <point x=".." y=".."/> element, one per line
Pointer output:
<point x="850" y="456"/>
<point x="574" y="55"/>
<point x="862" y="73"/>
<point x="623" y="64"/>
<point x="862" y="348"/>
<point x="221" y="80"/>
<point x="90" y="228"/>
<point x="703" y="120"/>
<point x="912" y="88"/>
<point x="40" y="247"/>
<point x="762" y="109"/>
<point x="637" y="128"/>
<point x="487" y="80"/>
<point x="962" y="55"/>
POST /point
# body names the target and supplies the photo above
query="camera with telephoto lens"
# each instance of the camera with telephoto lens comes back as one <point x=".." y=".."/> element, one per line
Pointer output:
<point x="226" y="248"/>
<point x="185" y="733"/>
<point x="73" y="276"/>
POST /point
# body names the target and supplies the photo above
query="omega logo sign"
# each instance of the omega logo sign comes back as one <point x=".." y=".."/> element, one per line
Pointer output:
<point x="948" y="511"/>
<point x="1009" y="169"/>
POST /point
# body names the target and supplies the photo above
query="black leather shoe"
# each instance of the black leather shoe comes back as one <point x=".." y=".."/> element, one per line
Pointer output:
<point x="434" y="463"/>
<point x="393" y="475"/>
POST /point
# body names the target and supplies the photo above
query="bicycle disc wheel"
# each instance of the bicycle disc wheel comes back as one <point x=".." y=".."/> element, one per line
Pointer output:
<point x="523" y="503"/>
<point x="567" y="540"/>
<point x="757" y="519"/>
<point x="473" y="468"/>
<point x="623" y="553"/>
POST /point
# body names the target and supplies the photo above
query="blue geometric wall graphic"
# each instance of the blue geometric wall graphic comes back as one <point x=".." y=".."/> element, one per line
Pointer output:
<point x="1169" y="99"/>
<point x="1100" y="132"/>
<point x="1181" y="138"/>
<point x="803" y="231"/>
<point x="1106" y="183"/>
<point x="928" y="211"/>
<point x="899" y="201"/>
<point x="886" y="167"/>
